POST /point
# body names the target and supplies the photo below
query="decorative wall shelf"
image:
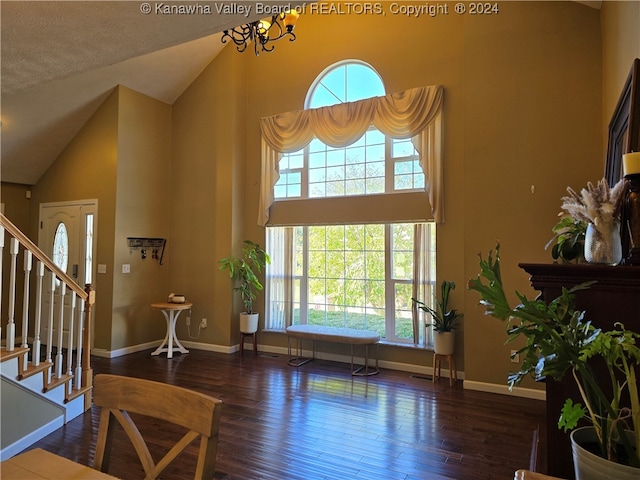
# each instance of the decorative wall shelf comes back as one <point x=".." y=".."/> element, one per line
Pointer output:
<point x="144" y="244"/>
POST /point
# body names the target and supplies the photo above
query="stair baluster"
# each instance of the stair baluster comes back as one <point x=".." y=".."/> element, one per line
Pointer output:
<point x="28" y="258"/>
<point x="72" y="314"/>
<point x="59" y="342"/>
<point x="35" y="356"/>
<point x="11" y="326"/>
<point x="52" y="287"/>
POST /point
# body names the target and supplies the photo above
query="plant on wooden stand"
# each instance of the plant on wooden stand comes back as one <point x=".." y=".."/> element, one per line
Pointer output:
<point x="242" y="270"/>
<point x="560" y="341"/>
<point x="445" y="321"/>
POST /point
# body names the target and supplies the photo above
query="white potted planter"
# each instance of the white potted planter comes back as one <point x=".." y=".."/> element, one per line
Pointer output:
<point x="589" y="466"/>
<point x="444" y="342"/>
<point x="249" y="322"/>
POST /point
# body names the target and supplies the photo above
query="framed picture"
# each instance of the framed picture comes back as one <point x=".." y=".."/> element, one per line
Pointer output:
<point x="624" y="127"/>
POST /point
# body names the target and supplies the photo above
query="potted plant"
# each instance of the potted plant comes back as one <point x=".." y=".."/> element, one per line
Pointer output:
<point x="445" y="321"/>
<point x="568" y="236"/>
<point x="560" y="341"/>
<point x="242" y="270"/>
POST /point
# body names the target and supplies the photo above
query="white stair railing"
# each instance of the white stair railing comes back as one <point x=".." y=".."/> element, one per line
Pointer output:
<point x="64" y="328"/>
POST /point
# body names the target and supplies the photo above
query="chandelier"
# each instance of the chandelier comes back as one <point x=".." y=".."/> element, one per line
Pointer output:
<point x="263" y="32"/>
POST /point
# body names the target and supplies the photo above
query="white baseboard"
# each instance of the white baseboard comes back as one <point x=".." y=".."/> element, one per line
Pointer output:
<point x="102" y="353"/>
<point x="31" y="438"/>
<point x="504" y="390"/>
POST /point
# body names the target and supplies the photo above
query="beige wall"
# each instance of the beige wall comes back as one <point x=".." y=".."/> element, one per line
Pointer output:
<point x="522" y="108"/>
<point x="208" y="210"/>
<point x="87" y="169"/>
<point x="143" y="209"/>
<point x="620" y="46"/>
<point x="525" y="92"/>
<point x="17" y="208"/>
<point x="122" y="158"/>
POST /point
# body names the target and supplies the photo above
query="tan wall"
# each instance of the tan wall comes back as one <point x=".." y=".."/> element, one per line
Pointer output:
<point x="87" y="169"/>
<point x="620" y="46"/>
<point x="532" y="119"/>
<point x="17" y="208"/>
<point x="207" y="210"/>
<point x="523" y="107"/>
<point x="143" y="209"/>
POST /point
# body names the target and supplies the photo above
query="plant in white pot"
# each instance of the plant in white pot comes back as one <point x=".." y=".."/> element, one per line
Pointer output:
<point x="445" y="321"/>
<point x="559" y="341"/>
<point x="242" y="271"/>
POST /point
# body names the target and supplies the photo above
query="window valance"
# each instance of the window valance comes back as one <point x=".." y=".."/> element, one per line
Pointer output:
<point x="414" y="113"/>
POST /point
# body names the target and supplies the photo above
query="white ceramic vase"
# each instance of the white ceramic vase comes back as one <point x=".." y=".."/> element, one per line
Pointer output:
<point x="248" y="322"/>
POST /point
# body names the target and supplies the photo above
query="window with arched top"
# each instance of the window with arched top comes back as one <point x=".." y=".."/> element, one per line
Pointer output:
<point x="374" y="164"/>
<point x="350" y="254"/>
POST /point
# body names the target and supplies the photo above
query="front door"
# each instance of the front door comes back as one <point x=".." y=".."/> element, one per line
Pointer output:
<point x="67" y="237"/>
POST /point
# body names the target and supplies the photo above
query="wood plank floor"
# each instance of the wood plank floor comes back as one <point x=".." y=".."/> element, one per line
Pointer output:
<point x="319" y="422"/>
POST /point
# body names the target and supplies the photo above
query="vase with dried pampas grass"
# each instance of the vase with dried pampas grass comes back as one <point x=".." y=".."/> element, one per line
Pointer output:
<point x="599" y="207"/>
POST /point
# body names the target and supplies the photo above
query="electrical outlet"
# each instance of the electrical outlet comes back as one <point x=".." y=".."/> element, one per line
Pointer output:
<point x="515" y="356"/>
<point x="188" y="321"/>
<point x="203" y="323"/>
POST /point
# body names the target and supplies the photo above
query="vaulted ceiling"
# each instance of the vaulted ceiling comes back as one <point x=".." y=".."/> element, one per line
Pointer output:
<point x="61" y="59"/>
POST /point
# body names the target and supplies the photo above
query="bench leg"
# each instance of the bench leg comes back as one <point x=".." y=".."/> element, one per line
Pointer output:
<point x="359" y="371"/>
<point x="299" y="360"/>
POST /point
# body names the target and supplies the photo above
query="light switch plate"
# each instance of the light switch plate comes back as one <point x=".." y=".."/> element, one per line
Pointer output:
<point x="102" y="268"/>
<point x="126" y="268"/>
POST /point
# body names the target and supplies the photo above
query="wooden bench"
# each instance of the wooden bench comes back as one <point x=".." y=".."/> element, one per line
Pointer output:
<point x="320" y="333"/>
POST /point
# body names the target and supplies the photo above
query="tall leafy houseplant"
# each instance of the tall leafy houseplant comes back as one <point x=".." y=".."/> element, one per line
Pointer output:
<point x="559" y="341"/>
<point x="444" y="320"/>
<point x="242" y="271"/>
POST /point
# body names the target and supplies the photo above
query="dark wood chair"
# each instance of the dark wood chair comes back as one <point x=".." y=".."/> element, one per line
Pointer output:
<point x="198" y="413"/>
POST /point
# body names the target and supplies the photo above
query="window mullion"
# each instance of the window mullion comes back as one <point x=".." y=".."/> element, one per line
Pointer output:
<point x="388" y="166"/>
<point x="389" y="287"/>
<point x="304" y="281"/>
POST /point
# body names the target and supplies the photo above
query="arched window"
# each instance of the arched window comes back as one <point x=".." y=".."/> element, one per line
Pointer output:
<point x="351" y="272"/>
<point x="373" y="165"/>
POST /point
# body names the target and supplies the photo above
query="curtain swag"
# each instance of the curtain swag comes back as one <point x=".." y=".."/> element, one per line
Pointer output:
<point x="414" y="113"/>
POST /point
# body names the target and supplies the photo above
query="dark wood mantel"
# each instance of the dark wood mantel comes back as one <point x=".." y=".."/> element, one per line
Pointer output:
<point x="614" y="297"/>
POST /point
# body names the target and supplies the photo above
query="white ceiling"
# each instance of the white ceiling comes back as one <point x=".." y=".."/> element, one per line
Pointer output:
<point x="61" y="59"/>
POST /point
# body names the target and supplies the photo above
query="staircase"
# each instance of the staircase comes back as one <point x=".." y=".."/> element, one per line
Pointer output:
<point x="45" y="371"/>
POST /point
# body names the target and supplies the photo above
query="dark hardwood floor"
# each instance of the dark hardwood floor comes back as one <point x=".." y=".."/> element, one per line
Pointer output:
<point x="319" y="422"/>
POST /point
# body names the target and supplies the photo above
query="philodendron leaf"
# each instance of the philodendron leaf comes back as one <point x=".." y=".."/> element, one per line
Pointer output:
<point x="570" y="414"/>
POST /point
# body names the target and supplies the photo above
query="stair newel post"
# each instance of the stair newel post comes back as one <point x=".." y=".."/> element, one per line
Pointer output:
<point x="87" y="372"/>
<point x="28" y="260"/>
<point x="59" y="331"/>
<point x="35" y="357"/>
<point x="52" y="287"/>
<point x="79" y="339"/>
<point x="11" y="326"/>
